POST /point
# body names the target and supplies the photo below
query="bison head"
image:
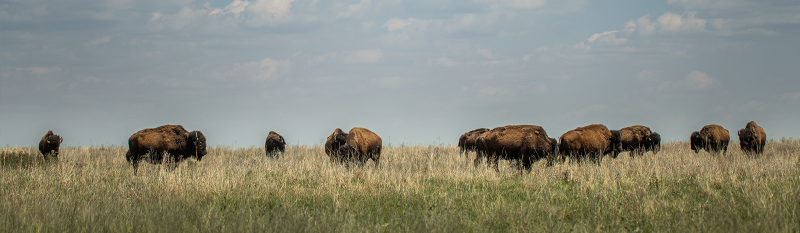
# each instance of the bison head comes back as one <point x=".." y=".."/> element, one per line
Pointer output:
<point x="653" y="142"/>
<point x="196" y="143"/>
<point x="616" y="143"/>
<point x="54" y="142"/>
<point x="553" y="145"/>
<point x="746" y="138"/>
<point x="696" y="141"/>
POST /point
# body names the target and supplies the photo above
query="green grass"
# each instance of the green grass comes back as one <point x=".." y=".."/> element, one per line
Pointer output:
<point x="417" y="188"/>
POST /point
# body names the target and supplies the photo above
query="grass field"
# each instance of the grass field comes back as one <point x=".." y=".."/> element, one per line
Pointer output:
<point x="416" y="188"/>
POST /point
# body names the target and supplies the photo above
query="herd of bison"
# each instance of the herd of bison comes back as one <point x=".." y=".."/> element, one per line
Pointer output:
<point x="521" y="144"/>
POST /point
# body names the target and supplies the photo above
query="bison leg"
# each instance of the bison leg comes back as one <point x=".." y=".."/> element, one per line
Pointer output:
<point x="495" y="160"/>
<point x="478" y="159"/>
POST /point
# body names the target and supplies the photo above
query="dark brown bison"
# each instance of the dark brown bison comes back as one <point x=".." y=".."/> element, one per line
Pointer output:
<point x="752" y="138"/>
<point x="591" y="141"/>
<point x="639" y="139"/>
<point x="521" y="144"/>
<point x="361" y="146"/>
<point x="274" y="144"/>
<point x="467" y="141"/>
<point x="335" y="140"/>
<point x="152" y="144"/>
<point x="50" y="144"/>
<point x="712" y="138"/>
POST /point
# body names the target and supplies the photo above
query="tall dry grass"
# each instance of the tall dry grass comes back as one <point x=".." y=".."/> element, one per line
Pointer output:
<point x="416" y="188"/>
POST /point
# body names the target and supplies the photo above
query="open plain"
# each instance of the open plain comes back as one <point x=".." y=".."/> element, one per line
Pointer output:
<point x="417" y="188"/>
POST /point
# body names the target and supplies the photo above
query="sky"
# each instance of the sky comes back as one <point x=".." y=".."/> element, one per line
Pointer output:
<point x="412" y="71"/>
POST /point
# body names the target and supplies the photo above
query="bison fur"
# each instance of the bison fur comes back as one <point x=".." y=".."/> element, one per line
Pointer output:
<point x="712" y="138"/>
<point x="591" y="141"/>
<point x="49" y="144"/>
<point x="154" y="144"/>
<point x="332" y="144"/>
<point x="274" y="144"/>
<point x="362" y="145"/>
<point x="521" y="144"/>
<point x="752" y="138"/>
<point x="639" y="139"/>
<point x="468" y="140"/>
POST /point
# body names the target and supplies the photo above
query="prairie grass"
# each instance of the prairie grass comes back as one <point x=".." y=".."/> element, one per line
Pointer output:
<point x="415" y="188"/>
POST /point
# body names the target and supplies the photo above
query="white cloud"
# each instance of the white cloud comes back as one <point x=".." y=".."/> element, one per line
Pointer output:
<point x="607" y="37"/>
<point x="41" y="70"/>
<point x="527" y="4"/>
<point x="178" y="21"/>
<point x="674" y="23"/>
<point x="355" y="9"/>
<point x="271" y="10"/>
<point x="156" y="16"/>
<point x="582" y="46"/>
<point x="521" y="4"/>
<point x="708" y="4"/>
<point x="100" y="40"/>
<point x="752" y="105"/>
<point x="236" y="7"/>
<point x="642" y="24"/>
<point x="395" y="23"/>
<point x="699" y="79"/>
<point x="598" y="35"/>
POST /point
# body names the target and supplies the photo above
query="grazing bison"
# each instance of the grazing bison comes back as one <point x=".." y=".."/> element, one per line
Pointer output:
<point x="522" y="144"/>
<point x="639" y="139"/>
<point x="275" y="144"/>
<point x="152" y="144"/>
<point x="335" y="140"/>
<point x="752" y="138"/>
<point x="361" y="146"/>
<point x="712" y="138"/>
<point x="592" y="141"/>
<point x="467" y="141"/>
<point x="50" y="144"/>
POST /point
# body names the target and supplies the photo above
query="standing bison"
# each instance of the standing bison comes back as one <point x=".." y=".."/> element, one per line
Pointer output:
<point x="712" y="138"/>
<point x="752" y="138"/>
<point x="153" y="144"/>
<point x="591" y="141"/>
<point x="639" y="139"/>
<point x="361" y="146"/>
<point x="274" y="144"/>
<point x="523" y="144"/>
<point x="335" y="140"/>
<point x="49" y="144"/>
<point x="467" y="141"/>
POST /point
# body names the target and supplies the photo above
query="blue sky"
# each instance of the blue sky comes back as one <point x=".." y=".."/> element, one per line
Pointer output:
<point x="414" y="72"/>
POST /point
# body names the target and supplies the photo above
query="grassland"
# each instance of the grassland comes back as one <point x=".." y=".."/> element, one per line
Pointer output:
<point x="416" y="188"/>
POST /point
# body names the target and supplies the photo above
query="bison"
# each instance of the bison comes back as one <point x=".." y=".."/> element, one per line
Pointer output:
<point x="591" y="141"/>
<point x="274" y="144"/>
<point x="49" y="144"/>
<point x="335" y="140"/>
<point x="467" y="141"/>
<point x="712" y="138"/>
<point x="639" y="139"/>
<point x="361" y="146"/>
<point x="522" y="144"/>
<point x="752" y="138"/>
<point x="153" y="144"/>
